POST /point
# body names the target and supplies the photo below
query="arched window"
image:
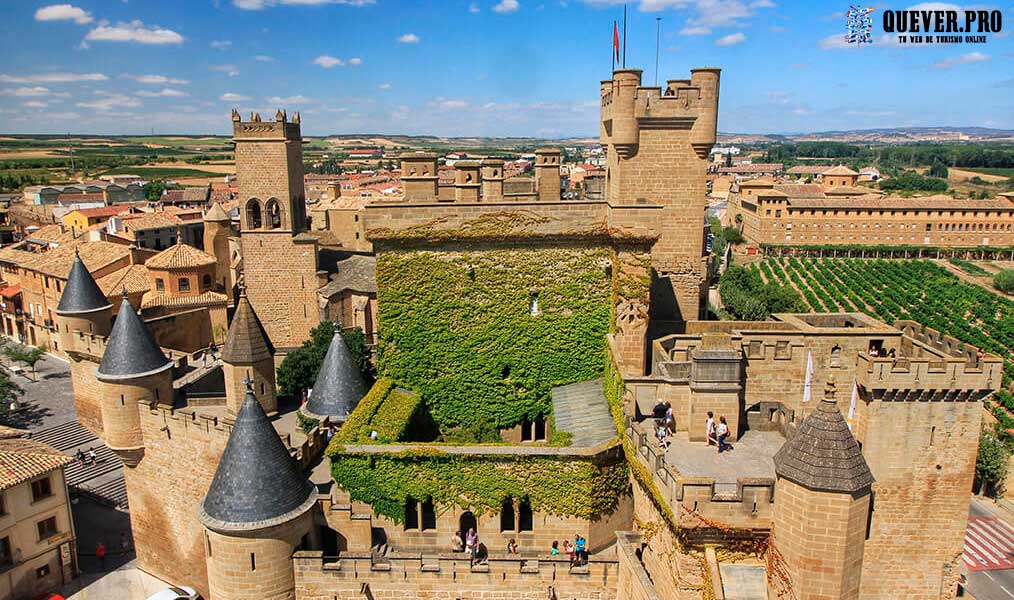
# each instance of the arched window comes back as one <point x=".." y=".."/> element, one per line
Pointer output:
<point x="206" y="281"/>
<point x="253" y="214"/>
<point x="273" y="214"/>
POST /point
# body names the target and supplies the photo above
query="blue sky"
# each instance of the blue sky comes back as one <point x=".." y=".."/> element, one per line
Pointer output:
<point x="482" y="67"/>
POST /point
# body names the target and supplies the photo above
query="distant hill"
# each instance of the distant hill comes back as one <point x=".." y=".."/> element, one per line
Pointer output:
<point x="891" y="135"/>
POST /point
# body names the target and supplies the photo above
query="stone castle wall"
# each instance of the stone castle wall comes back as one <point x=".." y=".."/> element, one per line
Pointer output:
<point x="449" y="577"/>
<point x="280" y="274"/>
<point x="165" y="491"/>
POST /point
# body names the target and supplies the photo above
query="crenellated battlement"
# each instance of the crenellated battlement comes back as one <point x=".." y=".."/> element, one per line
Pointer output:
<point x="257" y="129"/>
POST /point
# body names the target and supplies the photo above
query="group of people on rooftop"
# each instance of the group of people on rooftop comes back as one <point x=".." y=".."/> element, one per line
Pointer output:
<point x="665" y="426"/>
<point x="477" y="552"/>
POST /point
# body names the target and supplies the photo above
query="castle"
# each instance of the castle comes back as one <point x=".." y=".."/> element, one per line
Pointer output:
<point x="553" y="327"/>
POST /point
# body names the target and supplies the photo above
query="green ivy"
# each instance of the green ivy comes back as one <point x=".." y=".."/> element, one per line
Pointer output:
<point x="456" y="326"/>
<point x="563" y="485"/>
<point x="396" y="413"/>
<point x="356" y="429"/>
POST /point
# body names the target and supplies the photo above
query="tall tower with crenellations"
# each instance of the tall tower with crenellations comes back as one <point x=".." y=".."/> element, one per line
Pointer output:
<point x="657" y="141"/>
<point x="279" y="257"/>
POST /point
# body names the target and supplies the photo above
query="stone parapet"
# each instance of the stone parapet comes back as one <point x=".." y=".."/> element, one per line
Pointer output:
<point x="698" y="501"/>
<point x="449" y="576"/>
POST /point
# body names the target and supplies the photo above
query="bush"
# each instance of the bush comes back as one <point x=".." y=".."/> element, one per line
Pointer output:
<point x="747" y="298"/>
<point x="913" y="182"/>
<point x="357" y="427"/>
<point x="1004" y="281"/>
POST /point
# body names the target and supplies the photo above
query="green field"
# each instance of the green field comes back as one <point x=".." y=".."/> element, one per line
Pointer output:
<point x="1006" y="172"/>
<point x="161" y="172"/>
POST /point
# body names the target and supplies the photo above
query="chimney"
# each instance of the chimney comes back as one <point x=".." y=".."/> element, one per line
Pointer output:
<point x="466" y="181"/>
<point x="547" y="174"/>
<point x="492" y="180"/>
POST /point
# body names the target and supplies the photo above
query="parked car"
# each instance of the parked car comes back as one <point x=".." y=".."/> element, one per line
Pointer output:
<point x="176" y="593"/>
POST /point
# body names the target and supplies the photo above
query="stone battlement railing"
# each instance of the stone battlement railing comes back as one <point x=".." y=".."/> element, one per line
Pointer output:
<point x="747" y="504"/>
<point x="938" y="377"/>
<point x="941" y="342"/>
<point x="450" y="575"/>
<point x="194" y="420"/>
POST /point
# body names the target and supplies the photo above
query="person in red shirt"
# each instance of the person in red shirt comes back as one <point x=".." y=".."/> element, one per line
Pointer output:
<point x="100" y="553"/>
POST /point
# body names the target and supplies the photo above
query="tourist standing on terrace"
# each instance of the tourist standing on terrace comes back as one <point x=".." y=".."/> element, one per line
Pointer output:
<point x="723" y="432"/>
<point x="710" y="429"/>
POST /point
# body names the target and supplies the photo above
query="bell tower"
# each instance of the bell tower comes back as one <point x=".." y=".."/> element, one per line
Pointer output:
<point x="279" y="256"/>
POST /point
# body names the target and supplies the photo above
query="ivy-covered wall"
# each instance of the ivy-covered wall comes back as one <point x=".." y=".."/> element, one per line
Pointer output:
<point x="456" y="325"/>
<point x="563" y="485"/>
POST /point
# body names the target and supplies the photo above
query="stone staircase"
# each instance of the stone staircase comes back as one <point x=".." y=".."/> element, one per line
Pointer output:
<point x="102" y="480"/>
<point x="581" y="409"/>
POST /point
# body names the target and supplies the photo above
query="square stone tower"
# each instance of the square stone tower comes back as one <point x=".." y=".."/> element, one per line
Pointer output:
<point x="279" y="257"/>
<point x="657" y="142"/>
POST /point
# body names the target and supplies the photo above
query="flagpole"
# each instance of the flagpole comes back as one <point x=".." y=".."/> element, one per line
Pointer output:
<point x="658" y="34"/>
<point x="612" y="49"/>
<point x="624" y="36"/>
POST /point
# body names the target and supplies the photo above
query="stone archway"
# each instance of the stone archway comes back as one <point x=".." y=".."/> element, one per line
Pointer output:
<point x="467" y="521"/>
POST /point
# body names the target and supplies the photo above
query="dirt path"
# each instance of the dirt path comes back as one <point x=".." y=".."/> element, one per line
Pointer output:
<point x="983" y="282"/>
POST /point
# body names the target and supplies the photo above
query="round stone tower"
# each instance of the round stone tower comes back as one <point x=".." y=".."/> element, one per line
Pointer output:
<point x="83" y="309"/>
<point x="339" y="386"/>
<point x="248" y="354"/>
<point x="133" y="370"/>
<point x="822" y="502"/>
<point x="256" y="513"/>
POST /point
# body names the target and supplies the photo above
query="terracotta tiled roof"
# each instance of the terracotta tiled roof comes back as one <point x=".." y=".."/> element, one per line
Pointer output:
<point x="839" y="170"/>
<point x="10" y="254"/>
<point x="216" y="213"/>
<point x="850" y="190"/>
<point x="358" y="273"/>
<point x="58" y="261"/>
<point x="180" y="256"/>
<point x="7" y="433"/>
<point x="880" y="202"/>
<point x="158" y="220"/>
<point x="53" y="233"/>
<point x="10" y="291"/>
<point x="133" y="278"/>
<point x="22" y="459"/>
<point x="754" y="168"/>
<point x="807" y="170"/>
<point x="800" y="190"/>
<point x="102" y="211"/>
<point x="208" y="298"/>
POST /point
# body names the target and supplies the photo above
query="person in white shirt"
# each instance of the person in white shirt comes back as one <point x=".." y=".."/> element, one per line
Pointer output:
<point x="710" y="429"/>
<point x="723" y="432"/>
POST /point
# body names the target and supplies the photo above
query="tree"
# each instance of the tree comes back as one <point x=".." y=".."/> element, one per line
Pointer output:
<point x="938" y="169"/>
<point x="728" y="159"/>
<point x="25" y="354"/>
<point x="10" y="392"/>
<point x="991" y="464"/>
<point x="747" y="298"/>
<point x="298" y="370"/>
<point x="153" y="190"/>
<point x="1004" y="281"/>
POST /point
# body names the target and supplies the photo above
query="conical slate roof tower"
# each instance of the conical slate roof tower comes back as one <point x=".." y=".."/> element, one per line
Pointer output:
<point x="257" y="483"/>
<point x="131" y="351"/>
<point x="339" y="386"/>
<point x="81" y="294"/>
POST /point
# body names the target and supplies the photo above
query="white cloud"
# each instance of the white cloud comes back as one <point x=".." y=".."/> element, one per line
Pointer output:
<point x="731" y="40"/>
<point x="506" y="6"/>
<point x="261" y="4"/>
<point x="230" y="97"/>
<point x="384" y="86"/>
<point x="695" y="30"/>
<point x="157" y="79"/>
<point x="26" y="92"/>
<point x="35" y="104"/>
<point x="355" y="62"/>
<point x="229" y="70"/>
<point x="107" y="103"/>
<point x="63" y="12"/>
<point x="53" y="78"/>
<point x="409" y="38"/>
<point x="63" y="115"/>
<point x="220" y="44"/>
<point x="965" y="59"/>
<point x="762" y="4"/>
<point x="263" y="58"/>
<point x="134" y="31"/>
<point x="328" y="61"/>
<point x="934" y="6"/>
<point x="473" y="8"/>
<point x="835" y="41"/>
<point x="288" y="100"/>
<point x="164" y="93"/>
